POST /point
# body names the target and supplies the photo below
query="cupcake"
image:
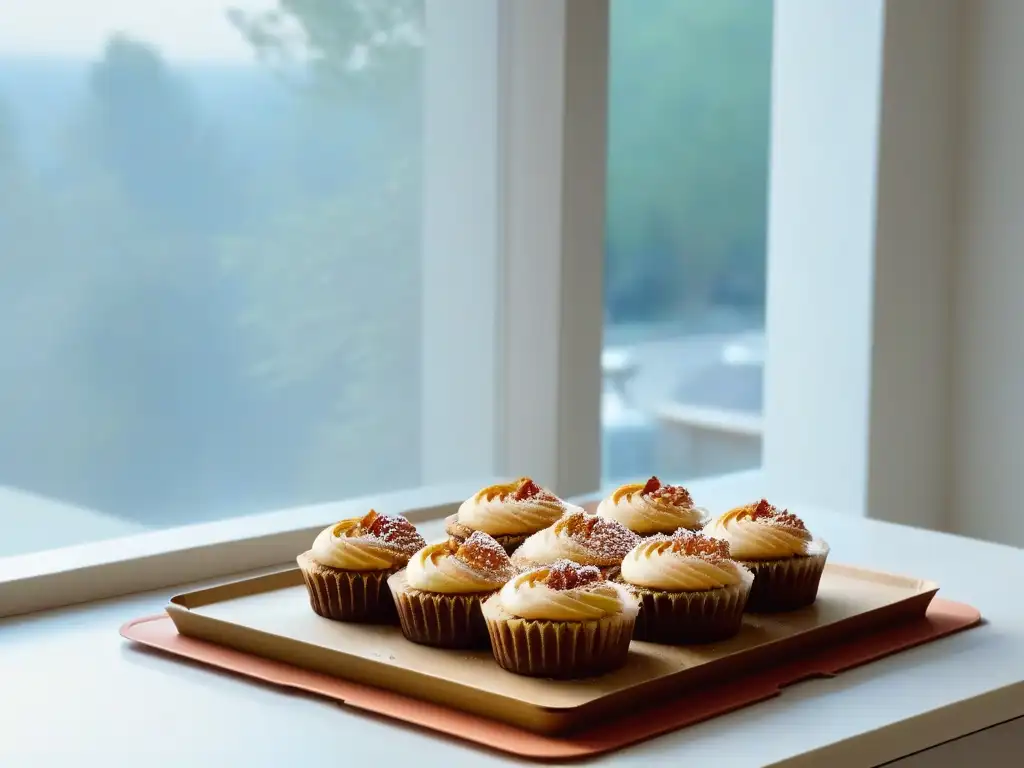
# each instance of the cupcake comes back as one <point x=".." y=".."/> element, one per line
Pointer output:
<point x="438" y="595"/>
<point x="651" y="508"/>
<point x="509" y="513"/>
<point x="690" y="589"/>
<point x="581" y="537"/>
<point x="564" y="620"/>
<point x="347" y="568"/>
<point x="787" y="561"/>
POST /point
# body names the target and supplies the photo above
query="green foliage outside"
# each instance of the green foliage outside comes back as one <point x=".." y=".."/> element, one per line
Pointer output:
<point x="207" y="314"/>
<point x="688" y="155"/>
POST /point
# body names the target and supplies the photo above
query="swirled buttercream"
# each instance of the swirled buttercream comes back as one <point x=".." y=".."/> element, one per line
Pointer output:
<point x="565" y="591"/>
<point x="372" y="543"/>
<point x="761" y="532"/>
<point x="477" y="565"/>
<point x="684" y="562"/>
<point x="512" y="508"/>
<point x="650" y="508"/>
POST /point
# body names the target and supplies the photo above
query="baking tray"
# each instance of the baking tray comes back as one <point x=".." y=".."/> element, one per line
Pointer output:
<point x="269" y="616"/>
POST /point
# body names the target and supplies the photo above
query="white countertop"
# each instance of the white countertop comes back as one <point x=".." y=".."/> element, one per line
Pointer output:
<point x="72" y="688"/>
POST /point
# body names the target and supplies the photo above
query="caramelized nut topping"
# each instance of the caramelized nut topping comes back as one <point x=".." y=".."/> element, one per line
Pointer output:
<point x="774" y="516"/>
<point x="565" y="574"/>
<point x="676" y="495"/>
<point x="605" y="537"/>
<point x="527" y="490"/>
<point x="520" y="490"/>
<point x="652" y="485"/>
<point x="393" y="530"/>
<point x="696" y="544"/>
<point x="482" y="553"/>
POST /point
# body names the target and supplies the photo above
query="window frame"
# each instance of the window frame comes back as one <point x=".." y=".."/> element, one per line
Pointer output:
<point x="515" y="100"/>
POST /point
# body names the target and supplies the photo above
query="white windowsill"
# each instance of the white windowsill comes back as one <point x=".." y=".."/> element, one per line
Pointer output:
<point x="889" y="708"/>
<point x="119" y="566"/>
<point x="33" y="523"/>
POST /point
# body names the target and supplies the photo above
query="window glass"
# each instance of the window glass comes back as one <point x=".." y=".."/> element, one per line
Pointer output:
<point x="689" y="114"/>
<point x="210" y="237"/>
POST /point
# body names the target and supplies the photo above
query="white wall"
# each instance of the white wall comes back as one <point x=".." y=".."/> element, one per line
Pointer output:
<point x="908" y="414"/>
<point x="988" y="277"/>
<point x="912" y="409"/>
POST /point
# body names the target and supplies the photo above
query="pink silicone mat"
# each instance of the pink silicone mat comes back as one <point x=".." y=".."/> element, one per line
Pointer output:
<point x="943" y="618"/>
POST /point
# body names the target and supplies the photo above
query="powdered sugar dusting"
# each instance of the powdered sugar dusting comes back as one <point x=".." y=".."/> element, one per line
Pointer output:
<point x="481" y="553"/>
<point x="654" y="489"/>
<point x="523" y="490"/>
<point x="565" y="574"/>
<point x="772" y="515"/>
<point x="676" y="495"/>
<point x="696" y="544"/>
<point x="604" y="537"/>
<point x="392" y="530"/>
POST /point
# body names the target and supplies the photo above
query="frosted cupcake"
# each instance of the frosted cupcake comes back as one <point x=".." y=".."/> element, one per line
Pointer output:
<point x="564" y="620"/>
<point x="580" y="537"/>
<point x="438" y="595"/>
<point x="508" y="513"/>
<point x="787" y="561"/>
<point x="347" y="568"/>
<point x="690" y="589"/>
<point x="651" y="508"/>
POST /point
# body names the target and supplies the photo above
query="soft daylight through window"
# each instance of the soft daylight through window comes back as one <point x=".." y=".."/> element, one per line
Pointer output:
<point x="189" y="192"/>
<point x="686" y="225"/>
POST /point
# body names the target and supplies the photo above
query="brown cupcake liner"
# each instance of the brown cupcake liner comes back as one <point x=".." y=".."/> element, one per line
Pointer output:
<point x="355" y="596"/>
<point x="442" y="620"/>
<point x="680" y="618"/>
<point x="459" y="532"/>
<point x="785" y="585"/>
<point x="558" y="649"/>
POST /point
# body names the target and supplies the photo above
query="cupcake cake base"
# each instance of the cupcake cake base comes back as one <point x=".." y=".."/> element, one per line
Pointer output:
<point x="558" y="649"/>
<point x="459" y="532"/>
<point x="441" y="620"/>
<point x="786" y="584"/>
<point x="355" y="596"/>
<point x="680" y="618"/>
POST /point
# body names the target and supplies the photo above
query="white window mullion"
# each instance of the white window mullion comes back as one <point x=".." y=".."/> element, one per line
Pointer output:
<point x="460" y="352"/>
<point x="555" y="62"/>
<point x="514" y="240"/>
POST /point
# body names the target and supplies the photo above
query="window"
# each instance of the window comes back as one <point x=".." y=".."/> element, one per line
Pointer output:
<point x="260" y="257"/>
<point x="277" y="254"/>
<point x="210" y="225"/>
<point x="688" y="124"/>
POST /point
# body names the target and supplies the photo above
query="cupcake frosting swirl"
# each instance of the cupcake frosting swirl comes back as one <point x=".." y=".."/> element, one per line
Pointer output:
<point x="479" y="564"/>
<point x="512" y="508"/>
<point x="565" y="591"/>
<point x="761" y="532"/>
<point x="580" y="537"/>
<point x="372" y="543"/>
<point x="684" y="562"/>
<point x="651" y="507"/>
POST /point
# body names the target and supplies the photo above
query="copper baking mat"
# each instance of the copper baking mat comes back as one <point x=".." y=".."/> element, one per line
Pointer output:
<point x="943" y="618"/>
